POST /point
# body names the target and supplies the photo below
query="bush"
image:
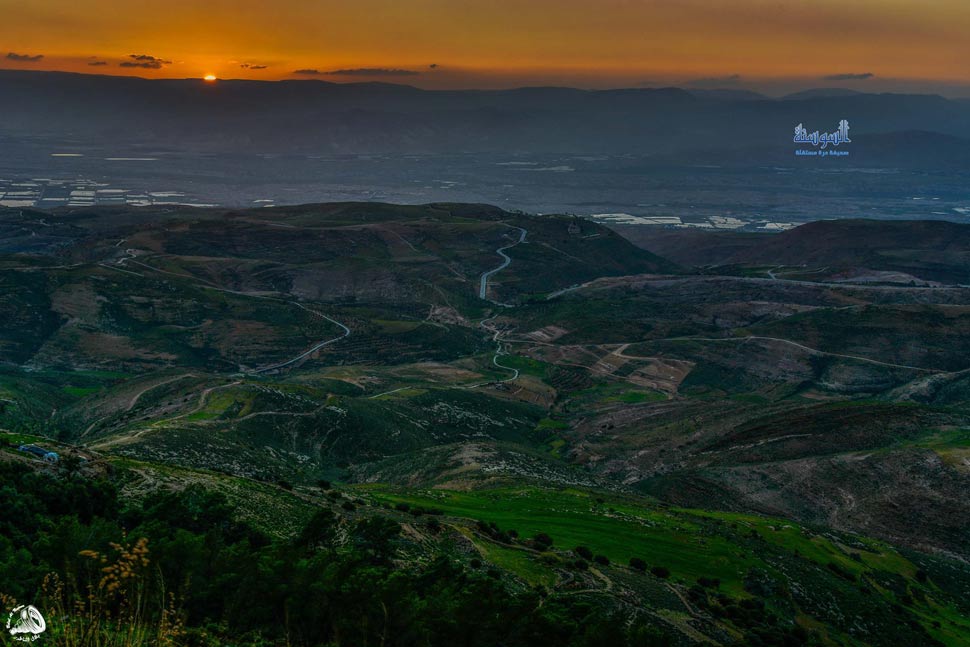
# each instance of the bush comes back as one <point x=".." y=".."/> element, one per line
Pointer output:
<point x="583" y="552"/>
<point x="324" y="484"/>
<point x="661" y="571"/>
<point x="638" y="564"/>
<point x="542" y="540"/>
<point x="602" y="560"/>
<point x="841" y="572"/>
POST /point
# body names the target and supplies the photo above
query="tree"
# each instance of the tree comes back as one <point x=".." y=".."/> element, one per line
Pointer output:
<point x="638" y="564"/>
<point x="319" y="532"/>
<point x="433" y="525"/>
<point x="375" y="537"/>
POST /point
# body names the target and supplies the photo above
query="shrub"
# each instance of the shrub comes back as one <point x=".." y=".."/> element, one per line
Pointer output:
<point x="602" y="560"/>
<point x="638" y="564"/>
<point x="841" y="572"/>
<point x="583" y="552"/>
<point x="661" y="571"/>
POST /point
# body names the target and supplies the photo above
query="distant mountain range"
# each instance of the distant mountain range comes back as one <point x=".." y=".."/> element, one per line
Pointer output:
<point x="321" y="117"/>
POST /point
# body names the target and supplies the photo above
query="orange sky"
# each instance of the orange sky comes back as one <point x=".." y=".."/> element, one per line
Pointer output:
<point x="495" y="43"/>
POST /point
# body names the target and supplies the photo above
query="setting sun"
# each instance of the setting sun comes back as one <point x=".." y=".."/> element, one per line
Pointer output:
<point x="210" y="78"/>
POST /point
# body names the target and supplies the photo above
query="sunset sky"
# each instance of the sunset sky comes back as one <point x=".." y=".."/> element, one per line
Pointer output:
<point x="763" y="44"/>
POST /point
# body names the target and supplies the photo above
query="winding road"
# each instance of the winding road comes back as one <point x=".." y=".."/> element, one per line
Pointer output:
<point x="483" y="287"/>
<point x="499" y="350"/>
<point x="131" y="256"/>
<point x="312" y="350"/>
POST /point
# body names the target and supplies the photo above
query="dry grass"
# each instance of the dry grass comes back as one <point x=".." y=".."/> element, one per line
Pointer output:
<point x="111" y="600"/>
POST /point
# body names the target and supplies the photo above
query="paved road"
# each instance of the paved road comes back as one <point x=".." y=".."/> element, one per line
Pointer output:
<point x="312" y="350"/>
<point x="483" y="287"/>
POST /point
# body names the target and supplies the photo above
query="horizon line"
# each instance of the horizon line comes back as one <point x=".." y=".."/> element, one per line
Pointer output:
<point x="372" y="82"/>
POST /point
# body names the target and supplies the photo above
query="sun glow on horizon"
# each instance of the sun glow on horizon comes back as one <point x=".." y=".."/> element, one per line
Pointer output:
<point x="210" y="78"/>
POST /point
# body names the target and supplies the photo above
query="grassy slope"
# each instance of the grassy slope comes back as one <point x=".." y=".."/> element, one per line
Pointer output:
<point x="695" y="544"/>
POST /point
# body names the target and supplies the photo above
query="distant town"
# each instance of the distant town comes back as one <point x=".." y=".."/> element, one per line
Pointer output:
<point x="47" y="193"/>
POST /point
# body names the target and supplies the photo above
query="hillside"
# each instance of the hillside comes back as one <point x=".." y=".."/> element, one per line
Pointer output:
<point x="767" y="436"/>
<point x="564" y="559"/>
<point x="929" y="250"/>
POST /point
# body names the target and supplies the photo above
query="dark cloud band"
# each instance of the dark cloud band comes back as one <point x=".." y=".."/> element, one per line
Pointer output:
<point x="24" y="58"/>
<point x="861" y="76"/>
<point x="145" y="61"/>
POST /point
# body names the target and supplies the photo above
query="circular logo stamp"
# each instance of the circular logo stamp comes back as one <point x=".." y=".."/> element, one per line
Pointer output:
<point x="25" y="623"/>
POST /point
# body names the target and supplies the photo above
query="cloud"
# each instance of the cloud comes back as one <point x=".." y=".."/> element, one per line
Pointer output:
<point x="97" y="63"/>
<point x="24" y="58"/>
<point x="716" y="81"/>
<point x="373" y="71"/>
<point x="250" y="66"/>
<point x="433" y="66"/>
<point x="308" y="72"/>
<point x="861" y="76"/>
<point x="145" y="61"/>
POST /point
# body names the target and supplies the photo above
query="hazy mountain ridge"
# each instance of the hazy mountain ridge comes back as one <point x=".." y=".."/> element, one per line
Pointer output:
<point x="301" y="116"/>
<point x="933" y="250"/>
